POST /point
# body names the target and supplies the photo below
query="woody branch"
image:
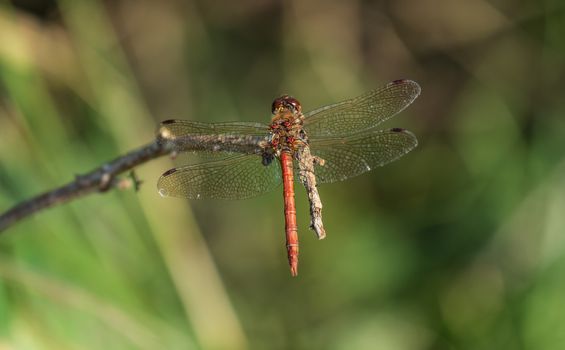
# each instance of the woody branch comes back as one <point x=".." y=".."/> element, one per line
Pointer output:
<point x="105" y="177"/>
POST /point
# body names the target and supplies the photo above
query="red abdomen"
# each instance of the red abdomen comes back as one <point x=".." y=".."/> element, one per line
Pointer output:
<point x="290" y="212"/>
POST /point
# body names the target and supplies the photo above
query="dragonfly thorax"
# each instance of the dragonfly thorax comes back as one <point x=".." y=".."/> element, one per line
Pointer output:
<point x="287" y="133"/>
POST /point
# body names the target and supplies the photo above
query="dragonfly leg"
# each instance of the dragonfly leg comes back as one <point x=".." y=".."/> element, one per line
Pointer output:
<point x="318" y="160"/>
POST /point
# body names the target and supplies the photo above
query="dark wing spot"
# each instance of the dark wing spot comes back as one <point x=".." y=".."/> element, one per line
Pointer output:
<point x="398" y="81"/>
<point x="397" y="130"/>
<point x="169" y="172"/>
<point x="169" y="121"/>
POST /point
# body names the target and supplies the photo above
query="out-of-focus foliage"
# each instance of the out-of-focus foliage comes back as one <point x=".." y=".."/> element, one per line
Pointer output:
<point x="458" y="245"/>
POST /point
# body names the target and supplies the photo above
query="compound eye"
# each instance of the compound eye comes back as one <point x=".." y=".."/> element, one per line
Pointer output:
<point x="293" y="104"/>
<point x="277" y="104"/>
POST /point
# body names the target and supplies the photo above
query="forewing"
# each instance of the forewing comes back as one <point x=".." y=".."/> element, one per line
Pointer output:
<point x="347" y="157"/>
<point x="363" y="112"/>
<point x="237" y="177"/>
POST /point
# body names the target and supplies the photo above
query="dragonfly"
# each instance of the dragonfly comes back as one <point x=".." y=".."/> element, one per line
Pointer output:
<point x="329" y="144"/>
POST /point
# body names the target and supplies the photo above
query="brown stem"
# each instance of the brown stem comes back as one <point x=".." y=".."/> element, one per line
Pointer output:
<point x="306" y="163"/>
<point x="100" y="179"/>
<point x="103" y="178"/>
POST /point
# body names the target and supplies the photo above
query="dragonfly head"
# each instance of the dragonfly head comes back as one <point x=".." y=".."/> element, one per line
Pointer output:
<point x="288" y="103"/>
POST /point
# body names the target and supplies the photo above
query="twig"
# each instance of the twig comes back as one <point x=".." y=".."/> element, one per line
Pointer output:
<point x="104" y="177"/>
<point x="100" y="179"/>
<point x="306" y="163"/>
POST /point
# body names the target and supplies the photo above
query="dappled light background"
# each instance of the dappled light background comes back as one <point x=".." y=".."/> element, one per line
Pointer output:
<point x="458" y="245"/>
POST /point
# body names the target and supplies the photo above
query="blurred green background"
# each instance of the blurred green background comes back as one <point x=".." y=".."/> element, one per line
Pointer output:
<point x="458" y="245"/>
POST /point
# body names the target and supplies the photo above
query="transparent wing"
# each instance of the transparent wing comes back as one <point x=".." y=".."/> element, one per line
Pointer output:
<point x="179" y="127"/>
<point x="237" y="177"/>
<point x="363" y="112"/>
<point x="350" y="156"/>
